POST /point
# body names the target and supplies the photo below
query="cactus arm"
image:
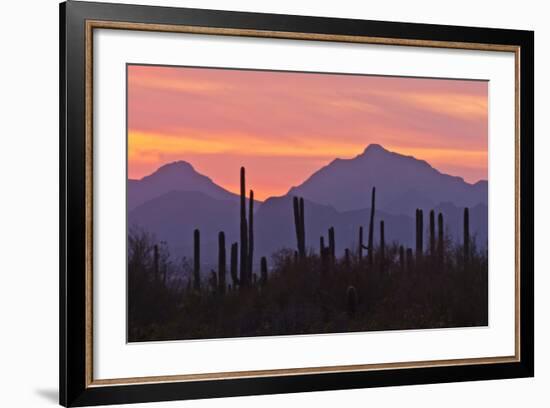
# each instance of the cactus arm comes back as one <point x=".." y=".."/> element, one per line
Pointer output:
<point x="250" y="257"/>
<point x="466" y="235"/>
<point x="371" y="227"/>
<point x="233" y="264"/>
<point x="432" y="233"/>
<point x="244" y="232"/>
<point x="221" y="262"/>
<point x="302" y="229"/>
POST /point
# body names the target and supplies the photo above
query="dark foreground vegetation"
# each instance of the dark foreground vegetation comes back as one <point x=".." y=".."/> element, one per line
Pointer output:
<point x="438" y="284"/>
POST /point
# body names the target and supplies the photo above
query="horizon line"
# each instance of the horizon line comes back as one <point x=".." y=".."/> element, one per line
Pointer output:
<point x="168" y="163"/>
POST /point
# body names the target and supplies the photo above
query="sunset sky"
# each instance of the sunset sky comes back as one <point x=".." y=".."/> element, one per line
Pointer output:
<point x="284" y="126"/>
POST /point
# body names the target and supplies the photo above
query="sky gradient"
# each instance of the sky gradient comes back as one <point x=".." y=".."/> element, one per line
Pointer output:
<point x="284" y="126"/>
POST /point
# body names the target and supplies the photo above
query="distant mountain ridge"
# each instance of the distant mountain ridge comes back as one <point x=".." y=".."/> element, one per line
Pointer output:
<point x="403" y="184"/>
<point x="176" y="199"/>
<point x="173" y="217"/>
<point x="176" y="176"/>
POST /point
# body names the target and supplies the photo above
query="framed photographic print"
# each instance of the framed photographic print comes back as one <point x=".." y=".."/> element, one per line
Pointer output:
<point x="256" y="203"/>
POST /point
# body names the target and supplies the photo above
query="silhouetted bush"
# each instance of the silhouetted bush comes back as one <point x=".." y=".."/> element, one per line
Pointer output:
<point x="303" y="296"/>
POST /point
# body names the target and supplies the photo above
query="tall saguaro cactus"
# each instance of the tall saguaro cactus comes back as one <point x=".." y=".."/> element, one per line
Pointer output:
<point x="419" y="233"/>
<point x="440" y="238"/>
<point x="250" y="258"/>
<point x="197" y="260"/>
<point x="244" y="233"/>
<point x="303" y="227"/>
<point x="331" y="244"/>
<point x="221" y="262"/>
<point x="466" y="235"/>
<point x="234" y="264"/>
<point x="370" y="248"/>
<point x="432" y="233"/>
<point x="296" y="208"/>
<point x="299" y="225"/>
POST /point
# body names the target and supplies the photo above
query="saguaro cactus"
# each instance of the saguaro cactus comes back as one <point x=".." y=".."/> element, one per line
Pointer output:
<point x="432" y="233"/>
<point x="197" y="260"/>
<point x="234" y="262"/>
<point x="321" y="245"/>
<point x="299" y="225"/>
<point x="346" y="258"/>
<point x="221" y="262"/>
<point x="360" y="248"/>
<point x="250" y="258"/>
<point x="370" y="248"/>
<point x="303" y="227"/>
<point x="440" y="238"/>
<point x="263" y="271"/>
<point x="296" y="208"/>
<point x="331" y="244"/>
<point x="419" y="234"/>
<point x="466" y="235"/>
<point x="244" y="233"/>
<point x="351" y="295"/>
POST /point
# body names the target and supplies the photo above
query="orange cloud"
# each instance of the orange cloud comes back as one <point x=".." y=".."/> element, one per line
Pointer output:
<point x="193" y="142"/>
<point x="466" y="107"/>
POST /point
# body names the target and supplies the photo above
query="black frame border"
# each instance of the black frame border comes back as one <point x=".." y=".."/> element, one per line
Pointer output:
<point x="72" y="178"/>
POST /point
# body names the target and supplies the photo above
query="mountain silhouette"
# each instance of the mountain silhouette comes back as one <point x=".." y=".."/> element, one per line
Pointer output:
<point x="173" y="216"/>
<point x="275" y="226"/>
<point x="176" y="199"/>
<point x="176" y="176"/>
<point x="403" y="184"/>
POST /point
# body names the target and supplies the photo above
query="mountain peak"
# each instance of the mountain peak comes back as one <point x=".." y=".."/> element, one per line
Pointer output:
<point x="175" y="176"/>
<point x="179" y="165"/>
<point x="379" y="152"/>
<point x="400" y="181"/>
<point x="375" y="148"/>
<point x="174" y="171"/>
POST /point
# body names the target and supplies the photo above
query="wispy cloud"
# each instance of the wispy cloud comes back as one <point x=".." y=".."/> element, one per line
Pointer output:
<point x="462" y="106"/>
<point x="144" y="144"/>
